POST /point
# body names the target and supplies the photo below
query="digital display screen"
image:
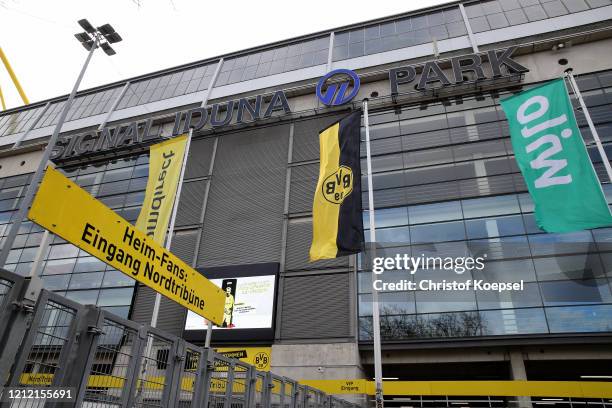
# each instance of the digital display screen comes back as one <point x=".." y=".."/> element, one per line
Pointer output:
<point x="249" y="304"/>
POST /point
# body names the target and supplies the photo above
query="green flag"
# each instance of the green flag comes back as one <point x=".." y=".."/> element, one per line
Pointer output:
<point x="554" y="161"/>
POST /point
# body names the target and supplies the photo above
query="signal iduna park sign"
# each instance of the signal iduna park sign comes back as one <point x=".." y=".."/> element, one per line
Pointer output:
<point x="432" y="72"/>
<point x="65" y="209"/>
<point x="490" y="65"/>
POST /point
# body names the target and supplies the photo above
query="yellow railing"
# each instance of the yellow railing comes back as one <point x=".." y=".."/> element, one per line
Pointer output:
<point x="573" y="389"/>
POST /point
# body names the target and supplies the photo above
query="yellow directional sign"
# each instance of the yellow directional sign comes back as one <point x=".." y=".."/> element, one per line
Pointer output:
<point x="67" y="210"/>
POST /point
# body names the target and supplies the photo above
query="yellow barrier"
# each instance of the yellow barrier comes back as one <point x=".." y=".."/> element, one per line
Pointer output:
<point x="153" y="382"/>
<point x="573" y="389"/>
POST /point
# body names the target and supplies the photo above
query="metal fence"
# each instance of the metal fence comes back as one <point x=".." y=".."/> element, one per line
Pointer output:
<point x="103" y="359"/>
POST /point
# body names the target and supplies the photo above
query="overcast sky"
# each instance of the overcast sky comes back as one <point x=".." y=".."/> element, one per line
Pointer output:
<point x="37" y="35"/>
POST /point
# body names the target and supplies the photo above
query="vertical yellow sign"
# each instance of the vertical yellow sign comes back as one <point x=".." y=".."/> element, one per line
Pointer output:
<point x="165" y="165"/>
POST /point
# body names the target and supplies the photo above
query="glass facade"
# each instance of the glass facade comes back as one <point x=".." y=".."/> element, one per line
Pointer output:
<point x="167" y="86"/>
<point x="274" y="61"/>
<point x="18" y="121"/>
<point x="120" y="185"/>
<point x="401" y="33"/>
<point x="493" y="14"/>
<point x="446" y="184"/>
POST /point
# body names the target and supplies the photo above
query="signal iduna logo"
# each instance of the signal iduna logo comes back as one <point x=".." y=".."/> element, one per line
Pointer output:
<point x="338" y="87"/>
<point x="338" y="185"/>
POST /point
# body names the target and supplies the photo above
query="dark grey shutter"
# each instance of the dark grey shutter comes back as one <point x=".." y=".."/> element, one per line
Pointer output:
<point x="299" y="238"/>
<point x="303" y="183"/>
<point x="198" y="160"/>
<point x="306" y="137"/>
<point x="171" y="315"/>
<point x="143" y="304"/>
<point x="244" y="213"/>
<point x="191" y="203"/>
<point x="316" y="306"/>
<point x="184" y="245"/>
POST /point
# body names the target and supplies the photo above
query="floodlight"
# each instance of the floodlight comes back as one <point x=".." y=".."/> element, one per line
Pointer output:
<point x="87" y="26"/>
<point x="87" y="44"/>
<point x="82" y="37"/>
<point x="107" y="49"/>
<point x="106" y="29"/>
<point x="114" y="38"/>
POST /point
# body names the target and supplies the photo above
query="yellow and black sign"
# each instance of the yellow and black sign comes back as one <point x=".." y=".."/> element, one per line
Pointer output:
<point x="337" y="224"/>
<point x="259" y="357"/>
<point x="164" y="173"/>
<point x="67" y="210"/>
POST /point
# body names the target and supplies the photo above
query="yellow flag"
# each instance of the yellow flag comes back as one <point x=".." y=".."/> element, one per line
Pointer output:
<point x="337" y="219"/>
<point x="165" y="164"/>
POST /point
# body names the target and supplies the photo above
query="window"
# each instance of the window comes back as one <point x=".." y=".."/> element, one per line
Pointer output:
<point x="269" y="62"/>
<point x="575" y="267"/>
<point x="113" y="297"/>
<point x="445" y="301"/>
<point x="592" y="318"/>
<point x="528" y="297"/>
<point x="482" y="207"/>
<point x="494" y="227"/>
<point x="494" y="14"/>
<point x="572" y="292"/>
<point x="86" y="280"/>
<point x="446" y="231"/>
<point x="513" y="321"/>
<point x="84" y="297"/>
<point x="419" y="214"/>
<point x="405" y="32"/>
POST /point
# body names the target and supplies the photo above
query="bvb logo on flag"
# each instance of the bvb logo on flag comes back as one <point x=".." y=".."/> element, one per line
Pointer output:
<point x="338" y="185"/>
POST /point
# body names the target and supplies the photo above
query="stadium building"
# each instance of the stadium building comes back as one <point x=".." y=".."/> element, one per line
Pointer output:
<point x="444" y="179"/>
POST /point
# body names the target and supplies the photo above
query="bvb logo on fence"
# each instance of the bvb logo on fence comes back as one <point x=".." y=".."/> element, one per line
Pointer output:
<point x="261" y="360"/>
<point x="338" y="185"/>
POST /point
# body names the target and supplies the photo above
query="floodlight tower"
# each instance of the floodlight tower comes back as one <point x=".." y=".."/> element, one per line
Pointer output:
<point x="91" y="39"/>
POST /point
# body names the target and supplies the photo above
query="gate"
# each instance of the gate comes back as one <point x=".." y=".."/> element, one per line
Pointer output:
<point x="103" y="360"/>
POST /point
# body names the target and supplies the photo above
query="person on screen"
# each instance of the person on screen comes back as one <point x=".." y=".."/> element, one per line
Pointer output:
<point x="229" y="287"/>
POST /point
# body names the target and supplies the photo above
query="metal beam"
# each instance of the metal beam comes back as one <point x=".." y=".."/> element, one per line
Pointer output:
<point x="330" y="52"/>
<point x="213" y="81"/>
<point x="115" y="104"/>
<point x="10" y="71"/>
<point x="32" y="126"/>
<point x="468" y="27"/>
<point x="2" y="99"/>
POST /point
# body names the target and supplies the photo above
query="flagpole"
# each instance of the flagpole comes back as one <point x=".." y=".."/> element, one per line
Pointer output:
<point x="157" y="304"/>
<point x="375" y="311"/>
<point x="600" y="148"/>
